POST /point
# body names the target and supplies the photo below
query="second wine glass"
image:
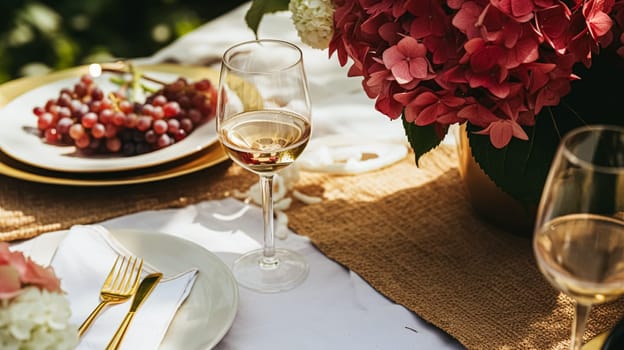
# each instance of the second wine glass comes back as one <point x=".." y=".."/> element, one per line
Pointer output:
<point x="264" y="123"/>
<point x="579" y="231"/>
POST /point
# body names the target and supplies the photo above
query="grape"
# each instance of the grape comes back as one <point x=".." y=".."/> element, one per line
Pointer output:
<point x="164" y="140"/>
<point x="171" y="109"/>
<point x="64" y="124"/>
<point x="150" y="136"/>
<point x="97" y="94"/>
<point x="144" y="123"/>
<point x="89" y="120"/>
<point x="147" y="109"/>
<point x="106" y="116"/>
<point x="158" y="112"/>
<point x="195" y="115"/>
<point x="83" y="141"/>
<point x="126" y="106"/>
<point x="111" y="130"/>
<point x="45" y="120"/>
<point x="64" y="112"/>
<point x="95" y="121"/>
<point x="159" y="100"/>
<point x="52" y="135"/>
<point x="187" y="125"/>
<point x="80" y="89"/>
<point x="119" y="118"/>
<point x="113" y="144"/>
<point x="38" y="111"/>
<point x="64" y="100"/>
<point x="203" y="85"/>
<point x="76" y="131"/>
<point x="179" y="134"/>
<point x="173" y="125"/>
<point x="86" y="79"/>
<point x="160" y="126"/>
<point x="131" y="120"/>
<point x="98" y="130"/>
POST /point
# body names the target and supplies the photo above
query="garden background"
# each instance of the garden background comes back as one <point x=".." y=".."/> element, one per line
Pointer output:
<point x="39" y="36"/>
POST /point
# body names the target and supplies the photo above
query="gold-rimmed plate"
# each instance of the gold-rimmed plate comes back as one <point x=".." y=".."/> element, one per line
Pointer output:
<point x="211" y="156"/>
<point x="17" y="122"/>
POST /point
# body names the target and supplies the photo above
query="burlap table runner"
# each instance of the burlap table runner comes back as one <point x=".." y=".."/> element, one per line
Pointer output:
<point x="411" y="233"/>
<point x="408" y="231"/>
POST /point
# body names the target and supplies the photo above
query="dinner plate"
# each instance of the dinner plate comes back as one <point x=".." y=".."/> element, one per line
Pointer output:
<point x="209" y="311"/>
<point x="18" y="125"/>
<point x="211" y="156"/>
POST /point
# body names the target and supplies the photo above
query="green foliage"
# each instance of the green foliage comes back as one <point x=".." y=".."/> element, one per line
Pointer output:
<point x="259" y="8"/>
<point x="421" y="138"/>
<point x="41" y="35"/>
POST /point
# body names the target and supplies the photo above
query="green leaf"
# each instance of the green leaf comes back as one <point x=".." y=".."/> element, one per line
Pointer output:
<point x="259" y="8"/>
<point x="422" y="138"/>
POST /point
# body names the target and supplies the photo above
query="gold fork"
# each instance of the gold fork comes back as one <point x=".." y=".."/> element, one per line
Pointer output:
<point x="120" y="284"/>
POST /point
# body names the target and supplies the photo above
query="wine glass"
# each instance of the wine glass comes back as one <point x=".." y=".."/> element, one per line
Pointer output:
<point x="579" y="231"/>
<point x="264" y="123"/>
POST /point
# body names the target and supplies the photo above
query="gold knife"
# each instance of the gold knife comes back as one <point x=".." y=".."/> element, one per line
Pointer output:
<point x="145" y="288"/>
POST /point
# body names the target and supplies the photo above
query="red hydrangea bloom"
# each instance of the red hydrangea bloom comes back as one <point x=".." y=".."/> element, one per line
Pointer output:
<point x="494" y="63"/>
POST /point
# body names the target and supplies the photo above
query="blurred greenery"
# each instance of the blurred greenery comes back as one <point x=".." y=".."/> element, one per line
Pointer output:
<point x="37" y="36"/>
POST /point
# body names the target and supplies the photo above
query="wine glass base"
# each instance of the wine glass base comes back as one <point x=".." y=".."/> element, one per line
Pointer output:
<point x="287" y="272"/>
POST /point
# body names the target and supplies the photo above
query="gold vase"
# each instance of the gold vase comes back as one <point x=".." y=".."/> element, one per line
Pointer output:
<point x="490" y="202"/>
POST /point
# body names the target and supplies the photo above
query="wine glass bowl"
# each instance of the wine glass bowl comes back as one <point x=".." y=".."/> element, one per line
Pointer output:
<point x="579" y="231"/>
<point x="264" y="127"/>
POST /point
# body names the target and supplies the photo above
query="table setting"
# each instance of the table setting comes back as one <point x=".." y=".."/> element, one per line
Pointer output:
<point x="307" y="219"/>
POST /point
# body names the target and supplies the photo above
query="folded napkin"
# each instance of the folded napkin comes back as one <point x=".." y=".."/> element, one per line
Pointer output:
<point x="83" y="260"/>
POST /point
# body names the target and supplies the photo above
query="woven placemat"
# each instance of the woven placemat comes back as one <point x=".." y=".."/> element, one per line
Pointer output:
<point x="28" y="209"/>
<point x="411" y="233"/>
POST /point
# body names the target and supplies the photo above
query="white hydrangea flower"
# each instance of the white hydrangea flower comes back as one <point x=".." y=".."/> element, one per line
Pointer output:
<point x="37" y="319"/>
<point x="314" y="21"/>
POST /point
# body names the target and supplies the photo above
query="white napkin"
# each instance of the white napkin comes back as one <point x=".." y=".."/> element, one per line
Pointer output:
<point x="340" y="154"/>
<point x="83" y="260"/>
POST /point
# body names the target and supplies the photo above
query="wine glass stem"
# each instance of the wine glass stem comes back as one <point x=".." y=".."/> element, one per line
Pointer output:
<point x="268" y="261"/>
<point x="580" y="320"/>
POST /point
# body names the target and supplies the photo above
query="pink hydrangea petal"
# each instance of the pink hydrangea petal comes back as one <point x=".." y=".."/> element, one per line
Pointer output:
<point x="10" y="284"/>
<point x="411" y="47"/>
<point x="427" y="116"/>
<point x="518" y="132"/>
<point x="500" y="134"/>
<point x="419" y="68"/>
<point x="401" y="72"/>
<point x="392" y="56"/>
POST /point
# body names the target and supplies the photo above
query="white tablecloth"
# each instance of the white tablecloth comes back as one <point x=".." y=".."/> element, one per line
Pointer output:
<point x="334" y="308"/>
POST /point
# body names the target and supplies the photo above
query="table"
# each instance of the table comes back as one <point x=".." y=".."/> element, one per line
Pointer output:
<point x="334" y="308"/>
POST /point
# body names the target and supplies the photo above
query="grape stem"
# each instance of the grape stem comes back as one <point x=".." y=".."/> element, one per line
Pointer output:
<point x="135" y="82"/>
<point x="134" y="75"/>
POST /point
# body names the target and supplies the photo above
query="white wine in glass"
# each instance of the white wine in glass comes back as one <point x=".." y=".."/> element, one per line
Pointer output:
<point x="579" y="230"/>
<point x="264" y="124"/>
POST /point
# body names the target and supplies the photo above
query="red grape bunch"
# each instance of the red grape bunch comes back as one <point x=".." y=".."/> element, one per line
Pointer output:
<point x="99" y="123"/>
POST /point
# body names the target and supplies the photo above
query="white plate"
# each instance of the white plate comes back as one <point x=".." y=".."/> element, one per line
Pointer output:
<point x="19" y="137"/>
<point x="210" y="309"/>
<point x="208" y="312"/>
